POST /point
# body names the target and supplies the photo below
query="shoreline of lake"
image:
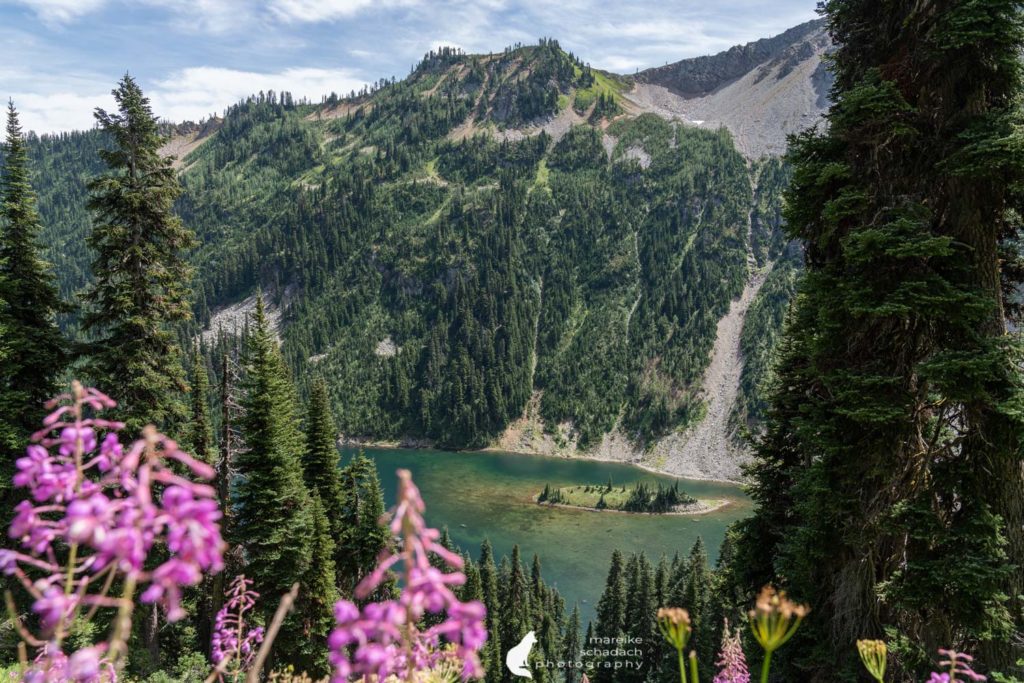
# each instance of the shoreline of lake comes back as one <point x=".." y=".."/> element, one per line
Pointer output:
<point x="702" y="507"/>
<point x="491" y="495"/>
<point x="426" y="444"/>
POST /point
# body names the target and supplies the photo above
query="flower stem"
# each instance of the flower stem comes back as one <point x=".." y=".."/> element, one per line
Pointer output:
<point x="682" y="665"/>
<point x="766" y="665"/>
<point x="123" y="622"/>
<point x="693" y="668"/>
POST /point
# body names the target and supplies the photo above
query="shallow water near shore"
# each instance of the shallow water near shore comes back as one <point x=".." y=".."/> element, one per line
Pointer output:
<point x="481" y="495"/>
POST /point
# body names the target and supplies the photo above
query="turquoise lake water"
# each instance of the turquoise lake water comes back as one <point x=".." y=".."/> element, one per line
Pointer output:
<point x="481" y="495"/>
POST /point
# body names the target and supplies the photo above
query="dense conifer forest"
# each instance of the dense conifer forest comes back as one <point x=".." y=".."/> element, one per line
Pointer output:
<point x="412" y="263"/>
<point x="438" y="276"/>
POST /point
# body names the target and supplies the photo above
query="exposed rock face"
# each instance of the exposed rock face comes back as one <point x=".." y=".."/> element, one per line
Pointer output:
<point x="184" y="138"/>
<point x="761" y="92"/>
<point x="700" y="76"/>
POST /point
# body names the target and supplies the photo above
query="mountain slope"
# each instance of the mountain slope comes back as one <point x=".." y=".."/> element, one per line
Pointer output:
<point x="497" y="243"/>
<point x="761" y="91"/>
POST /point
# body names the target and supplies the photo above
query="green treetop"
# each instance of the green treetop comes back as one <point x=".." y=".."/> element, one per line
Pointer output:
<point x="571" y="646"/>
<point x="318" y="593"/>
<point x="141" y="281"/>
<point x="320" y="459"/>
<point x="272" y="512"/>
<point x="200" y="428"/>
<point x="611" y="610"/>
<point x="489" y="588"/>
<point x="33" y="353"/>
<point x="893" y="445"/>
<point x="363" y="508"/>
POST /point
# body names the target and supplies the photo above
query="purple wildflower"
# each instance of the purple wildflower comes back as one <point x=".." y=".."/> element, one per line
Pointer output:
<point x="732" y="664"/>
<point x="959" y="665"/>
<point x="95" y="513"/>
<point x="53" y="606"/>
<point x="233" y="644"/>
<point x="384" y="638"/>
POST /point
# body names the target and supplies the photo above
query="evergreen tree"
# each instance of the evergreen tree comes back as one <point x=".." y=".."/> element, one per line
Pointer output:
<point x="694" y="592"/>
<point x="611" y="611"/>
<point x="140" y="289"/>
<point x="489" y="586"/>
<point x="318" y="593"/>
<point x="473" y="588"/>
<point x="364" y="538"/>
<point x="199" y="427"/>
<point x="589" y="660"/>
<point x="272" y="512"/>
<point x="893" y="440"/>
<point x="320" y="462"/>
<point x="33" y="351"/>
<point x="515" y="607"/>
<point x="660" y="662"/>
<point x="227" y="448"/>
<point x="201" y="445"/>
<point x="571" y="646"/>
<point x="639" y="616"/>
<point x="537" y="583"/>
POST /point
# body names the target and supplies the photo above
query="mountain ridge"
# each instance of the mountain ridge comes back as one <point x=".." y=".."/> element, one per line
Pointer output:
<point x="700" y="76"/>
<point x="520" y="236"/>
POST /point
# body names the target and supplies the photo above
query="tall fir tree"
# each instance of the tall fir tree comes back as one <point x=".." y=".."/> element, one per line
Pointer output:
<point x="639" y="618"/>
<point x="317" y="595"/>
<point x="694" y="591"/>
<point x="611" y="611"/>
<point x="537" y="587"/>
<point x="320" y="461"/>
<point x="33" y="352"/>
<point x="893" y="442"/>
<point x="272" y="510"/>
<point x="472" y="589"/>
<point x="227" y="447"/>
<point x="659" y="662"/>
<point x="364" y="537"/>
<point x="489" y="586"/>
<point x="572" y="648"/>
<point x="202" y="446"/>
<point x="515" y="607"/>
<point x="141" y="280"/>
<point x="200" y="427"/>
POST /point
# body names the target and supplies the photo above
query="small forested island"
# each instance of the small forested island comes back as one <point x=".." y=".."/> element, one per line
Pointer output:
<point x="641" y="498"/>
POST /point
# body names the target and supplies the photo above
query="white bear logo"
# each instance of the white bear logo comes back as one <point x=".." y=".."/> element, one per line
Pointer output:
<point x="516" y="658"/>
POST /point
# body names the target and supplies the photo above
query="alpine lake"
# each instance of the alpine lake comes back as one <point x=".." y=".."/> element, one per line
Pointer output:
<point x="479" y="495"/>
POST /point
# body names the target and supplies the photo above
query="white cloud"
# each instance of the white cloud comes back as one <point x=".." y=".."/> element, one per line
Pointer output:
<point x="196" y="92"/>
<point x="59" y="111"/>
<point x="61" y="11"/>
<point x="621" y="64"/>
<point x="190" y="95"/>
<point x="207" y="16"/>
<point x="309" y="11"/>
<point x="58" y="80"/>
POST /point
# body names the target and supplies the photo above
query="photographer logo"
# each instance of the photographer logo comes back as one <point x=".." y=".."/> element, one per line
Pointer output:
<point x="516" y="658"/>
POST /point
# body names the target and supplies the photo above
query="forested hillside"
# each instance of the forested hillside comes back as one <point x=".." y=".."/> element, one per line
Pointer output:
<point x="491" y="233"/>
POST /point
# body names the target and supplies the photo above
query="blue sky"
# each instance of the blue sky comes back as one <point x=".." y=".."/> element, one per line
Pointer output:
<point x="60" y="58"/>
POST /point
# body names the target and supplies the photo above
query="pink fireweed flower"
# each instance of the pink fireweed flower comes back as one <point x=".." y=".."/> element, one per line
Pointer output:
<point x="95" y="513"/>
<point x="384" y="638"/>
<point x="234" y="643"/>
<point x="732" y="664"/>
<point x="53" y="606"/>
<point x="87" y="665"/>
<point x="959" y="667"/>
